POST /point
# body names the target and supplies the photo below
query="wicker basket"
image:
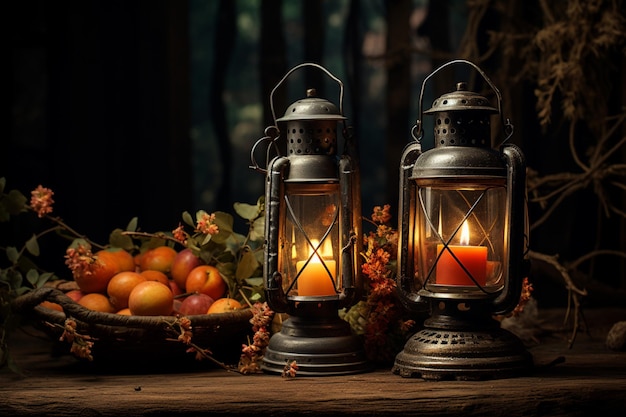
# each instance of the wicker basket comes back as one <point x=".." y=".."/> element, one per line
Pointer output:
<point x="146" y="342"/>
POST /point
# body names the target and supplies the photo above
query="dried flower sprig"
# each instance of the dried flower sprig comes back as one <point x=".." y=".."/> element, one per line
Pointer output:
<point x="22" y="274"/>
<point x="290" y="370"/>
<point x="182" y="328"/>
<point x="380" y="317"/>
<point x="81" y="344"/>
<point x="252" y="353"/>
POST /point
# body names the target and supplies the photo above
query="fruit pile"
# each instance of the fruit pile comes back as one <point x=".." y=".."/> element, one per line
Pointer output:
<point x="158" y="282"/>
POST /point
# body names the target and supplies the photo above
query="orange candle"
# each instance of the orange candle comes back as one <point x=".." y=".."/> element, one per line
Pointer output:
<point x="473" y="258"/>
<point x="314" y="280"/>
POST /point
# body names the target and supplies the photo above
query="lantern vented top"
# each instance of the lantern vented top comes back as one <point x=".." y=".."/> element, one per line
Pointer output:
<point x="461" y="99"/>
<point x="462" y="118"/>
<point x="311" y="108"/>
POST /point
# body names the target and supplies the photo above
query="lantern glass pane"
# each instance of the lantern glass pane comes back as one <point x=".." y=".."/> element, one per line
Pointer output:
<point x="310" y="260"/>
<point x="460" y="238"/>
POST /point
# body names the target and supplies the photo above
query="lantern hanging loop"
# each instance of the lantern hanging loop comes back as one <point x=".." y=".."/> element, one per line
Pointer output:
<point x="296" y="68"/>
<point x="417" y="131"/>
<point x="271" y="137"/>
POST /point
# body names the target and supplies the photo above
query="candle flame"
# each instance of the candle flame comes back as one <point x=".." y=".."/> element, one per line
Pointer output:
<point x="465" y="234"/>
<point x="326" y="250"/>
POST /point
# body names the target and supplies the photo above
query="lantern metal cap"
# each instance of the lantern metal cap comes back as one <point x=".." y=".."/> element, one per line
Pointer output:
<point x="312" y="108"/>
<point x="459" y="163"/>
<point x="461" y="99"/>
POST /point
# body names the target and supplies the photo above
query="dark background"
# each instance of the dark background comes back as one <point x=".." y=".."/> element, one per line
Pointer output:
<point x="149" y="108"/>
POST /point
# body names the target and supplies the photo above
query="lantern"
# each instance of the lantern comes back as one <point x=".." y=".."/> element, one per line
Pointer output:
<point x="312" y="229"/>
<point x="463" y="241"/>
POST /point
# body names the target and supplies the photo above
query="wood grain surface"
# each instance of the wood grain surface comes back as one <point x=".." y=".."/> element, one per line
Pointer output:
<point x="587" y="379"/>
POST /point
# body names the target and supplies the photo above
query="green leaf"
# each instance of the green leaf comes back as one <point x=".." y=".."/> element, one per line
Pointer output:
<point x="257" y="229"/>
<point x="227" y="269"/>
<point x="193" y="245"/>
<point x="118" y="239"/>
<point x="255" y="281"/>
<point x="22" y="290"/>
<point x="32" y="276"/>
<point x="152" y="243"/>
<point x="15" y="202"/>
<point x="224" y="222"/>
<point x="247" y="265"/>
<point x="188" y="219"/>
<point x="79" y="242"/>
<point x="14" y="279"/>
<point x="207" y="239"/>
<point x="12" y="254"/>
<point x="43" y="278"/>
<point x="32" y="246"/>
<point x="132" y="225"/>
<point x="256" y="296"/>
<point x="247" y="211"/>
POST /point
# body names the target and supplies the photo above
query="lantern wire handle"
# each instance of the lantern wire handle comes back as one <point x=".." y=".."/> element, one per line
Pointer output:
<point x="298" y="67"/>
<point x="417" y="131"/>
<point x="272" y="133"/>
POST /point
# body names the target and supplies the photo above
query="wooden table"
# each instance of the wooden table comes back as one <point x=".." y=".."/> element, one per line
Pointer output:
<point x="590" y="381"/>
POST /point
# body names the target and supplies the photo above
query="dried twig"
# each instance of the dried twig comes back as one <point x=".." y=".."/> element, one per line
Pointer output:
<point x="574" y="293"/>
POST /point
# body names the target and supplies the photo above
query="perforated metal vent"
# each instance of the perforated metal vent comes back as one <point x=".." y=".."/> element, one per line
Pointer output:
<point x="311" y="137"/>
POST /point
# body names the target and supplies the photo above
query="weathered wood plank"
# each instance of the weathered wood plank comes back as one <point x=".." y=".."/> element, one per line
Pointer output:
<point x="591" y="380"/>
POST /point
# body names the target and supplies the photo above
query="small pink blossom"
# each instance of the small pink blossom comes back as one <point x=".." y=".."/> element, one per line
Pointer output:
<point x="207" y="225"/>
<point x="80" y="260"/>
<point x="290" y="370"/>
<point x="41" y="200"/>
<point x="381" y="215"/>
<point x="180" y="234"/>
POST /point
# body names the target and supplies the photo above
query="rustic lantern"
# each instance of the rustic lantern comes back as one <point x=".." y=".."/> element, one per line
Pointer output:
<point x="463" y="241"/>
<point x="312" y="229"/>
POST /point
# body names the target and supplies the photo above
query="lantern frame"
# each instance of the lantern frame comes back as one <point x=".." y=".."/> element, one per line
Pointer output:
<point x="461" y="339"/>
<point x="308" y="189"/>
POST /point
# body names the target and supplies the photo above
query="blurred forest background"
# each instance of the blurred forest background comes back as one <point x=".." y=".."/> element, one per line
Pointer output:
<point x="150" y="108"/>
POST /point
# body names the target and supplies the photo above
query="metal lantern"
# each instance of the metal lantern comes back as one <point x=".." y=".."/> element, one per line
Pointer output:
<point x="463" y="241"/>
<point x="312" y="229"/>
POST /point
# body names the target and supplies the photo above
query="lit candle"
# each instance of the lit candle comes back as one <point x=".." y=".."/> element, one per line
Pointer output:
<point x="314" y="279"/>
<point x="473" y="258"/>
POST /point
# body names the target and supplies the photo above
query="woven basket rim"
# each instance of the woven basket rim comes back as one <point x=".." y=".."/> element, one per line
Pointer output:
<point x="29" y="303"/>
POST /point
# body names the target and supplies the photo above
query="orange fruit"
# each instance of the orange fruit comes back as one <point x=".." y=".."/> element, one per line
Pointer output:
<point x="97" y="277"/>
<point x="223" y="305"/>
<point x="121" y="285"/>
<point x="154" y="275"/>
<point x="97" y="302"/>
<point x="206" y="279"/>
<point x="124" y="312"/>
<point x="151" y="298"/>
<point x="125" y="260"/>
<point x="51" y="305"/>
<point x="75" y="295"/>
<point x="159" y="259"/>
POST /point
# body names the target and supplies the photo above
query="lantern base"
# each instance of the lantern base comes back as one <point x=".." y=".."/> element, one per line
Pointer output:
<point x="320" y="347"/>
<point x="445" y="353"/>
